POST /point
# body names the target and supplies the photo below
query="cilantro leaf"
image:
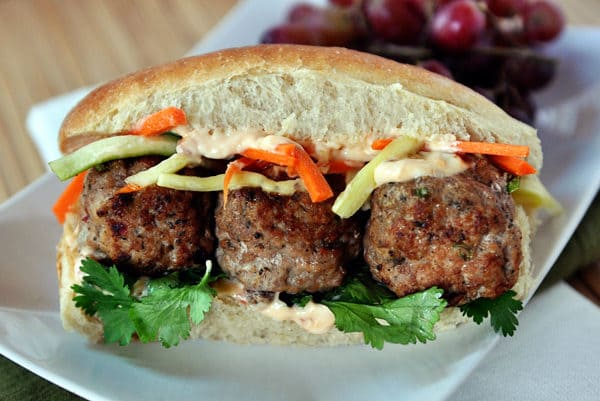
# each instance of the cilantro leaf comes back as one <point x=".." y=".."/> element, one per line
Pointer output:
<point x="513" y="185"/>
<point x="104" y="292"/>
<point x="163" y="314"/>
<point x="402" y="321"/>
<point x="502" y="312"/>
<point x="361" y="289"/>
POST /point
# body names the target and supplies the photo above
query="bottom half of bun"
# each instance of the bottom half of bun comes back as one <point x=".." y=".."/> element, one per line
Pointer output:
<point x="238" y="322"/>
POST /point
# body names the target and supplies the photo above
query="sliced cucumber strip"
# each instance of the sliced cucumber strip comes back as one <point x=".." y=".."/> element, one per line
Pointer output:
<point x="533" y="195"/>
<point x="359" y="189"/>
<point x="239" y="180"/>
<point x="115" y="147"/>
<point x="150" y="176"/>
<point x="250" y="179"/>
<point x="191" y="183"/>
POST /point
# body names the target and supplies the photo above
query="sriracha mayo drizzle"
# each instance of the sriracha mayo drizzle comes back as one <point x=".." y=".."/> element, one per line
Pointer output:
<point x="431" y="164"/>
<point x="314" y="318"/>
<point x="216" y="145"/>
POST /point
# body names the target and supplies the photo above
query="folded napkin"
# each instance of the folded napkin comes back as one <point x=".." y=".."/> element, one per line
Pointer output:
<point x="553" y="355"/>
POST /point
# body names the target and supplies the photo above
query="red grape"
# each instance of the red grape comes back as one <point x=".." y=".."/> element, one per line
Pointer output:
<point x="531" y="73"/>
<point x="457" y="26"/>
<point x="316" y="26"/>
<point x="344" y="3"/>
<point x="517" y="103"/>
<point x="543" y="21"/>
<point x="304" y="11"/>
<point x="440" y="3"/>
<point x="398" y="21"/>
<point x="505" y="8"/>
<point x="437" y="67"/>
<point x="291" y="33"/>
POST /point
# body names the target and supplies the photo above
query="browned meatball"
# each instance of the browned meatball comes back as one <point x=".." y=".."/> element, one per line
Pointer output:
<point x="457" y="233"/>
<point x="149" y="232"/>
<point x="283" y="243"/>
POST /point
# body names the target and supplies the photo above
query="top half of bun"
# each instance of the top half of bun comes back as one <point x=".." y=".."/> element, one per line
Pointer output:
<point x="311" y="94"/>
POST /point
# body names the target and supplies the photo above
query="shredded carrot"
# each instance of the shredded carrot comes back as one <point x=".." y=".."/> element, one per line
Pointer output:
<point x="489" y="148"/>
<point x="160" y="122"/>
<point x="379" y="144"/>
<point x="340" y="166"/>
<point x="317" y="186"/>
<point x="128" y="188"/>
<point x="513" y="165"/>
<point x="68" y="198"/>
<point x="232" y="168"/>
<point x="280" y="158"/>
<point x="295" y="158"/>
<point x="484" y="148"/>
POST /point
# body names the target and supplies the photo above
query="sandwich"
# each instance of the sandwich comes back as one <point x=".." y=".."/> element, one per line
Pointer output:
<point x="290" y="194"/>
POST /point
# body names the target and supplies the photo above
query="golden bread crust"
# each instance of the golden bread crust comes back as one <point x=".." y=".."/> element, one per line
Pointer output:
<point x="213" y="89"/>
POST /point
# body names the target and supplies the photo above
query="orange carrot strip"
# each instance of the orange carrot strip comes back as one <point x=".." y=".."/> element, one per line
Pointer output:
<point x="488" y="148"/>
<point x="232" y="168"/>
<point x="282" y="159"/>
<point x="160" y="122"/>
<point x="379" y="144"/>
<point x="340" y="167"/>
<point x="513" y="165"/>
<point x="68" y="198"/>
<point x="314" y="181"/>
<point x="128" y="188"/>
<point x="289" y="149"/>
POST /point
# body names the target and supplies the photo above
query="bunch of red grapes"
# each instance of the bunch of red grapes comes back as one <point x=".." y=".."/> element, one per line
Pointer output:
<point x="489" y="45"/>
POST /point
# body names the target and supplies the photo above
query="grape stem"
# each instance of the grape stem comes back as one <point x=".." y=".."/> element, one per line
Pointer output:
<point x="417" y="53"/>
<point x="521" y="52"/>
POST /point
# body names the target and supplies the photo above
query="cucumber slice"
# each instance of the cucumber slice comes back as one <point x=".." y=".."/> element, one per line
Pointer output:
<point x="150" y="176"/>
<point x="239" y="180"/>
<point x="191" y="183"/>
<point x="115" y="147"/>
<point x="533" y="195"/>
<point x="359" y="189"/>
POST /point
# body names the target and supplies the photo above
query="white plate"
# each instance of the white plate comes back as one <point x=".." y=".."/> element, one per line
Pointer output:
<point x="31" y="333"/>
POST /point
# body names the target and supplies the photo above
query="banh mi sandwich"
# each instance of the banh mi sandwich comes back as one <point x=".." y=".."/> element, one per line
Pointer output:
<point x="292" y="195"/>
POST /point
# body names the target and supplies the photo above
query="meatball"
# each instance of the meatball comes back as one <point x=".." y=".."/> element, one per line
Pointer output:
<point x="149" y="232"/>
<point x="283" y="243"/>
<point x="457" y="233"/>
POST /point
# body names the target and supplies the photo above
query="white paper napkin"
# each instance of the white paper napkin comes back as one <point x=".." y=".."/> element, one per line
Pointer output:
<point x="554" y="355"/>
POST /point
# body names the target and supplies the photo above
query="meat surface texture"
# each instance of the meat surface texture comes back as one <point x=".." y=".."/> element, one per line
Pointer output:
<point x="283" y="243"/>
<point x="457" y="233"/>
<point x="149" y="232"/>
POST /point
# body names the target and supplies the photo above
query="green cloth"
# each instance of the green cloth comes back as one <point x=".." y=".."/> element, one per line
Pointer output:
<point x="18" y="384"/>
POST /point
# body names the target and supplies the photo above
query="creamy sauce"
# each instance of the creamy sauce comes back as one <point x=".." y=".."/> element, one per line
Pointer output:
<point x="219" y="145"/>
<point x="216" y="144"/>
<point x="434" y="164"/>
<point x="314" y="318"/>
<point x="70" y="242"/>
<point x="230" y="288"/>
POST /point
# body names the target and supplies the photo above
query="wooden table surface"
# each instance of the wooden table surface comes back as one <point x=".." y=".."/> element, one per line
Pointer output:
<point x="48" y="47"/>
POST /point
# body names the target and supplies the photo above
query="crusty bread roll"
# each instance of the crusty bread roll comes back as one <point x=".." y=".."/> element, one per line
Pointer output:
<point x="328" y="97"/>
<point x="321" y="95"/>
